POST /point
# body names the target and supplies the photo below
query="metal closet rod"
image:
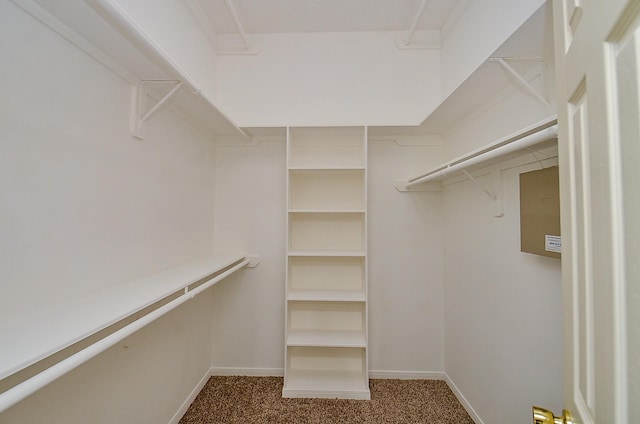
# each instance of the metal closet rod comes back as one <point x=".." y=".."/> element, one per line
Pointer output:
<point x="526" y="138"/>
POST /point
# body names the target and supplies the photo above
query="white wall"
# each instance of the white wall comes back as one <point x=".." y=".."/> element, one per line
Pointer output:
<point x="406" y="321"/>
<point x="329" y="79"/>
<point x="405" y="259"/>
<point x="503" y="308"/>
<point x="477" y="32"/>
<point x="172" y="26"/>
<point x="143" y="380"/>
<point x="84" y="206"/>
<point x="248" y="328"/>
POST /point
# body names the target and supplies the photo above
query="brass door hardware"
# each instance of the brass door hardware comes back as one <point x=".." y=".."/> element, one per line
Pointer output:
<point x="544" y="416"/>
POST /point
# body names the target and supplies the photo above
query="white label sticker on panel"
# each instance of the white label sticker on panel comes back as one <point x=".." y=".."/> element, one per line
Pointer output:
<point x="553" y="243"/>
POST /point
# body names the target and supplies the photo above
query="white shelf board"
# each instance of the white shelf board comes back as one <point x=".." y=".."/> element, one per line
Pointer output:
<point x="529" y="41"/>
<point x="327" y="253"/>
<point x="38" y="334"/>
<point x="354" y="211"/>
<point x="326" y="384"/>
<point x="326" y="168"/>
<point x="103" y="30"/>
<point x="326" y="295"/>
<point x="320" y="338"/>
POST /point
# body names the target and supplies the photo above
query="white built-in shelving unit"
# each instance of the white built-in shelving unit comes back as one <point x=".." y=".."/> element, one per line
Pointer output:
<point x="326" y="278"/>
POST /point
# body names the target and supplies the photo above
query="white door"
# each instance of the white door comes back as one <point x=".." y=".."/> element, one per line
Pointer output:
<point x="598" y="57"/>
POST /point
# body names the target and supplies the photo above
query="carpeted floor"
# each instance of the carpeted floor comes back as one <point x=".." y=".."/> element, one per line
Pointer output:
<point x="259" y="400"/>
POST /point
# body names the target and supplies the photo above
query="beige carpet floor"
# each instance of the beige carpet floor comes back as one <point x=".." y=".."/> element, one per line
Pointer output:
<point x="259" y="400"/>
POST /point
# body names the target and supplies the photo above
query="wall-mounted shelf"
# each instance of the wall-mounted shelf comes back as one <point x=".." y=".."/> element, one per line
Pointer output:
<point x="40" y="346"/>
<point x="525" y="52"/>
<point x="104" y="31"/>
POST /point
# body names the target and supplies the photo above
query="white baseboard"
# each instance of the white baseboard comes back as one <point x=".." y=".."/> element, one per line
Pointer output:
<point x="375" y="374"/>
<point x="279" y="372"/>
<point x="472" y="413"/>
<point x="192" y="396"/>
<point x="249" y="372"/>
<point x="407" y="375"/>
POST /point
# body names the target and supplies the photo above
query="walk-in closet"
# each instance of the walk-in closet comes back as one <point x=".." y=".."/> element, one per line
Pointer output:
<point x="338" y="194"/>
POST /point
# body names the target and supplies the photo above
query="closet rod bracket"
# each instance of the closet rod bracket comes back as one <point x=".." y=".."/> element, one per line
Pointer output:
<point x="496" y="194"/>
<point x="139" y="114"/>
<point x="254" y="261"/>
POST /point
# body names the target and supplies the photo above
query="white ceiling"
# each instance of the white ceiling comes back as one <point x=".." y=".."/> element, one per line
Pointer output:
<point x="286" y="16"/>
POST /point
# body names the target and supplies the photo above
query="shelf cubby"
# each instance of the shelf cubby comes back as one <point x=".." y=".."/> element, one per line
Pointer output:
<point x="326" y="277"/>
<point x="326" y="372"/>
<point x="322" y="323"/>
<point x="326" y="148"/>
<point x="326" y="231"/>
<point x="326" y="190"/>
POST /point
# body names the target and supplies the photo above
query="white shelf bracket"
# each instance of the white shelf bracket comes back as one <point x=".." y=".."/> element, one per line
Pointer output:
<point x="498" y="203"/>
<point x="531" y="89"/>
<point x="425" y="40"/>
<point x="238" y="25"/>
<point x="416" y="19"/>
<point x="496" y="194"/>
<point x="138" y="114"/>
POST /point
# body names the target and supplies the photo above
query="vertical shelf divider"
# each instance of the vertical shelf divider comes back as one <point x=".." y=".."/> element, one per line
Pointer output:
<point x="326" y="311"/>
